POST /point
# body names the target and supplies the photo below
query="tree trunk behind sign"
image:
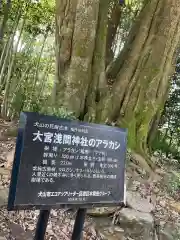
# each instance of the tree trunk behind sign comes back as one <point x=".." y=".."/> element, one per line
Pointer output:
<point x="140" y="74"/>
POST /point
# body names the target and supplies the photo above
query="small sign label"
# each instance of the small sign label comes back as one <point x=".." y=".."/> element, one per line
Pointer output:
<point x="62" y="162"/>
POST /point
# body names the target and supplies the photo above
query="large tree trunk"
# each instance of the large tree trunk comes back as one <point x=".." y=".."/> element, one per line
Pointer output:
<point x="140" y="74"/>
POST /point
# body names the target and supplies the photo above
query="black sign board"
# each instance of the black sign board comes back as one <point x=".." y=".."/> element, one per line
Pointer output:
<point x="60" y="162"/>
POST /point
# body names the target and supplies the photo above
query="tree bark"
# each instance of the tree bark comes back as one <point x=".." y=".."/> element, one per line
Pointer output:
<point x="141" y="73"/>
<point x="76" y="59"/>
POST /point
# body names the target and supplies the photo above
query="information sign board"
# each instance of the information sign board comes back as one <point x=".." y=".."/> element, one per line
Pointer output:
<point x="62" y="162"/>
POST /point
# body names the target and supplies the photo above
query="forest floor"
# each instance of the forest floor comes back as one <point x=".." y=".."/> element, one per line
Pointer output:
<point x="161" y="192"/>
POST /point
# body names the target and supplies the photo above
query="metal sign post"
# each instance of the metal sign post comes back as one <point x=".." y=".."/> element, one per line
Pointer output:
<point x="42" y="225"/>
<point x="43" y="222"/>
<point x="78" y="225"/>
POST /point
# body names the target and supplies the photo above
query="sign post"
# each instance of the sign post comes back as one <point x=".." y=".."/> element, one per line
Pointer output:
<point x="61" y="163"/>
<point x="42" y="225"/>
<point x="78" y="225"/>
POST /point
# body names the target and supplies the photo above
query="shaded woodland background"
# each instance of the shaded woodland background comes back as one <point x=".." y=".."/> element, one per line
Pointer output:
<point x="98" y="61"/>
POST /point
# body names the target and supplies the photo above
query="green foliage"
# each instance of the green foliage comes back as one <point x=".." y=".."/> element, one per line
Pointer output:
<point x="134" y="4"/>
<point x="40" y="17"/>
<point x="43" y="108"/>
<point x="160" y="144"/>
<point x="58" y="112"/>
<point x="167" y="139"/>
<point x="173" y="183"/>
<point x="27" y="84"/>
